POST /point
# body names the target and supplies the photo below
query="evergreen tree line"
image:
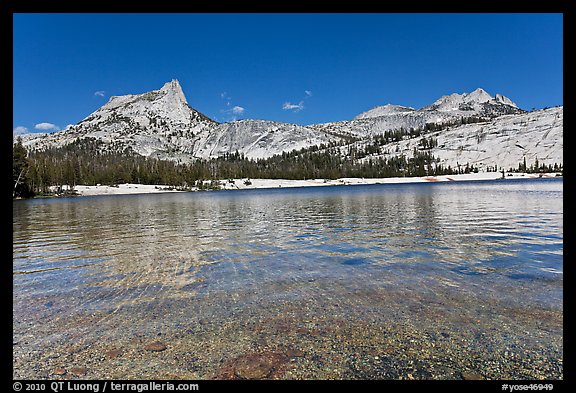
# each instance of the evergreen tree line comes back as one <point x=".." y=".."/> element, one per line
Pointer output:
<point x="537" y="167"/>
<point x="86" y="162"/>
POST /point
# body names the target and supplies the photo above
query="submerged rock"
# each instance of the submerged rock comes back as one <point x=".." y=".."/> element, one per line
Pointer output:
<point x="471" y="376"/>
<point x="253" y="367"/>
<point x="262" y="365"/>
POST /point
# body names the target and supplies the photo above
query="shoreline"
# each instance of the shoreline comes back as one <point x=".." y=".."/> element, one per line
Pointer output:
<point x="239" y="184"/>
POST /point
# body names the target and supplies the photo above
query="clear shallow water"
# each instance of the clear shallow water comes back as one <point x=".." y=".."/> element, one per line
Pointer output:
<point x="383" y="281"/>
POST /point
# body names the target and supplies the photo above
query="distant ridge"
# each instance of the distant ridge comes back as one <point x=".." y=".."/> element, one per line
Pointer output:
<point x="474" y="127"/>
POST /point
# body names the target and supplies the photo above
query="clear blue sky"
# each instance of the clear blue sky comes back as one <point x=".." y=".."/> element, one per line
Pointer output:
<point x="297" y="68"/>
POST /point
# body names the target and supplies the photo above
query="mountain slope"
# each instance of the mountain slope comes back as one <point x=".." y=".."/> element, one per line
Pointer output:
<point x="385" y="110"/>
<point x="503" y="141"/>
<point x="149" y="124"/>
<point x="474" y="128"/>
<point x="256" y="139"/>
<point x="161" y="124"/>
<point x="446" y="110"/>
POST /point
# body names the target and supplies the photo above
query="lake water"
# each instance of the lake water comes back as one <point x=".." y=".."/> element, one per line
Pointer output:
<point x="421" y="281"/>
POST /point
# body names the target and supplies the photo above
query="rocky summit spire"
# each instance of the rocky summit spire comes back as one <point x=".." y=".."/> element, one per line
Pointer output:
<point x="479" y="95"/>
<point x="173" y="87"/>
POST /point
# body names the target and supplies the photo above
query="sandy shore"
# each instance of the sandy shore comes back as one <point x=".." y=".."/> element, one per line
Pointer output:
<point x="241" y="184"/>
<point x="123" y="189"/>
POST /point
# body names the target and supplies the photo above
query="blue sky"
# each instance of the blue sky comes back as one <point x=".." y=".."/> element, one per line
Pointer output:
<point x="297" y="68"/>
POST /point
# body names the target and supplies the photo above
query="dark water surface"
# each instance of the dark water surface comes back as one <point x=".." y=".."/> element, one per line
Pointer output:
<point x="421" y="281"/>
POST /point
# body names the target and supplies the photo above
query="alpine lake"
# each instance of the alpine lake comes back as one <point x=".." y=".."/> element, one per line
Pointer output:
<point x="458" y="280"/>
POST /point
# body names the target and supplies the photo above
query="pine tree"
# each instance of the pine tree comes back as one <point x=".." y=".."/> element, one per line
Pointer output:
<point x="20" y="167"/>
<point x="524" y="165"/>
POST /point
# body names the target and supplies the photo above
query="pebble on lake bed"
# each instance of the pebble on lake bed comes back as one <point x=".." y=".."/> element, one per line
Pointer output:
<point x="253" y="368"/>
<point x="113" y="353"/>
<point x="471" y="376"/>
<point x="264" y="365"/>
<point x="59" y="371"/>
<point x="156" y="346"/>
<point x="78" y="371"/>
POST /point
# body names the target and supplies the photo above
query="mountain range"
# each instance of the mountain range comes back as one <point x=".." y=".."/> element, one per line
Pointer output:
<point x="475" y="128"/>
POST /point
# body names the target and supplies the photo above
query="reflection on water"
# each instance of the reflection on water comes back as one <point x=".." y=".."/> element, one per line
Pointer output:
<point x="470" y="270"/>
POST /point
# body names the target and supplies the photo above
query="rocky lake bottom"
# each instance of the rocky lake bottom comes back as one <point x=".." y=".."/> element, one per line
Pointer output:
<point x="242" y="287"/>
